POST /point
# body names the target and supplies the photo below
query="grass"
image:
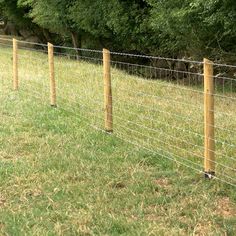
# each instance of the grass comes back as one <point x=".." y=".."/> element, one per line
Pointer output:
<point x="60" y="176"/>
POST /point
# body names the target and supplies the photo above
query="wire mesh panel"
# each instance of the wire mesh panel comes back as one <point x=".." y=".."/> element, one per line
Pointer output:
<point x="6" y="66"/>
<point x="157" y="109"/>
<point x="6" y="83"/>
<point x="158" y="103"/>
<point x="225" y="121"/>
<point x="33" y="71"/>
<point x="79" y="83"/>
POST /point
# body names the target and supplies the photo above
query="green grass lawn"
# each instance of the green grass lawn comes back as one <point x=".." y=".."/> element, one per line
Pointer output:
<point x="61" y="175"/>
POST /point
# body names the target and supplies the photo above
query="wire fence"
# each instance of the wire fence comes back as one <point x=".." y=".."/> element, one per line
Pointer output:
<point x="178" y="109"/>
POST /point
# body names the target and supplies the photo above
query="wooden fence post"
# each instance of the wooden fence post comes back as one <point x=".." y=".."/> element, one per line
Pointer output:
<point x="52" y="75"/>
<point x="15" y="65"/>
<point x="209" y="160"/>
<point x="107" y="91"/>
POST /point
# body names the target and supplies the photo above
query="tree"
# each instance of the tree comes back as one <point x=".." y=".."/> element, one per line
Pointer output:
<point x="115" y="23"/>
<point x="54" y="16"/>
<point x="173" y="28"/>
<point x="10" y="12"/>
<point x="196" y="27"/>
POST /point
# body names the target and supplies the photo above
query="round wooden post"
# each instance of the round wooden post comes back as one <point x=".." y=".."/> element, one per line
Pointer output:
<point x="209" y="161"/>
<point x="52" y="75"/>
<point x="15" y="65"/>
<point x="107" y="90"/>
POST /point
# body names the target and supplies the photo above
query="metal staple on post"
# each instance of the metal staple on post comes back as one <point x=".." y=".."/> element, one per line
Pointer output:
<point x="209" y="153"/>
<point x="107" y="91"/>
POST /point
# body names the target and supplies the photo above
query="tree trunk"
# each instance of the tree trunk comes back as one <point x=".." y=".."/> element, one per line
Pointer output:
<point x="76" y="40"/>
<point x="46" y="35"/>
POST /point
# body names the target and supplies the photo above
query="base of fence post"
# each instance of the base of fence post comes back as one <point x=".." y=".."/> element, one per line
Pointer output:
<point x="109" y="131"/>
<point x="54" y="106"/>
<point x="209" y="175"/>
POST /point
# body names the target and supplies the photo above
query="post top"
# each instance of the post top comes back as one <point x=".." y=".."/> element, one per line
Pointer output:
<point x="207" y="61"/>
<point x="106" y="50"/>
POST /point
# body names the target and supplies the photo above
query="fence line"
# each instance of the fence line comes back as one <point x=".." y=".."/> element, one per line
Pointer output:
<point x="210" y="160"/>
<point x="152" y="105"/>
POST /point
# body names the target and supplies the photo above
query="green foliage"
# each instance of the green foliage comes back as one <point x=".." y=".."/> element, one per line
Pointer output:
<point x="9" y="10"/>
<point x="52" y="15"/>
<point x="193" y="28"/>
<point x="116" y="22"/>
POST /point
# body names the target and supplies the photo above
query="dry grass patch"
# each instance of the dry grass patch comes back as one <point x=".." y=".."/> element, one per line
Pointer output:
<point x="226" y="208"/>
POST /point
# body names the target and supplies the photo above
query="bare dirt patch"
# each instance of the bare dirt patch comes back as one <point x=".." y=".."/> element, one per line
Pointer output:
<point x="164" y="182"/>
<point x="203" y="229"/>
<point x="226" y="208"/>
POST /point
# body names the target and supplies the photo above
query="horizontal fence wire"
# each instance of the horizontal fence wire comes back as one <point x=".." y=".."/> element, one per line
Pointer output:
<point x="157" y="102"/>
